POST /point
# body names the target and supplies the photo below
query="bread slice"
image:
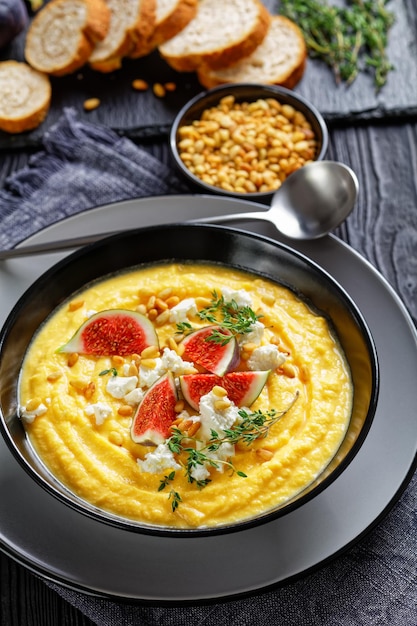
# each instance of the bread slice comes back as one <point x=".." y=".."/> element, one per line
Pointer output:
<point x="280" y="60"/>
<point x="132" y="24"/>
<point x="25" y="97"/>
<point x="171" y="17"/>
<point x="63" y="34"/>
<point x="222" y="33"/>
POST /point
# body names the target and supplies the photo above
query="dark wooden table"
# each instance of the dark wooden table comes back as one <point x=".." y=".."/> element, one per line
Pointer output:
<point x="383" y="228"/>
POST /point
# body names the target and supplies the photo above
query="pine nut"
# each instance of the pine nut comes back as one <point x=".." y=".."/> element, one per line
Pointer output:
<point x="89" y="390"/>
<point x="116" y="438"/>
<point x="32" y="404"/>
<point x="126" y="410"/>
<point x="219" y="391"/>
<point x="117" y="360"/>
<point x="72" y="359"/>
<point x="221" y="405"/>
<point x="150" y="352"/>
<point x="53" y="376"/>
<point x="75" y="304"/>
<point x="179" y="406"/>
<point x="193" y="429"/>
<point x="264" y="454"/>
<point x="159" y="90"/>
<point x="91" y="103"/>
<point x="233" y="141"/>
<point x="140" y="85"/>
<point x="162" y="318"/>
<point x="149" y="363"/>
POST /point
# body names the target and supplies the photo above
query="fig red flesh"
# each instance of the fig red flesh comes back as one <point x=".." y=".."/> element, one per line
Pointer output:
<point x="115" y="331"/>
<point x="152" y="421"/>
<point x="214" y="357"/>
<point x="242" y="387"/>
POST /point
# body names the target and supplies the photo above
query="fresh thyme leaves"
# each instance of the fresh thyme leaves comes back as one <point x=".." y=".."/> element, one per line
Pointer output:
<point x="238" y="320"/>
<point x="112" y="371"/>
<point x="193" y="453"/>
<point x="348" y="39"/>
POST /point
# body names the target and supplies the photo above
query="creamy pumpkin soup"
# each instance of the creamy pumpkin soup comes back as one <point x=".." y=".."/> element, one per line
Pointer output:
<point x="185" y="395"/>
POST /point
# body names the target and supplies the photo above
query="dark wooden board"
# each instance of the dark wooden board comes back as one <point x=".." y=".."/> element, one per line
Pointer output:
<point x="141" y="114"/>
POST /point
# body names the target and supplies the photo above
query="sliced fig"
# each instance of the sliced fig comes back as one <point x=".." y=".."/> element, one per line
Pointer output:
<point x="155" y="414"/>
<point x="212" y="355"/>
<point x="114" y="331"/>
<point x="242" y="387"/>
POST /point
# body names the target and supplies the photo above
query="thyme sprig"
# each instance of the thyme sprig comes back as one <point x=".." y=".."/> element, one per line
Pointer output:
<point x="229" y="316"/>
<point x="192" y="452"/>
<point x="348" y="39"/>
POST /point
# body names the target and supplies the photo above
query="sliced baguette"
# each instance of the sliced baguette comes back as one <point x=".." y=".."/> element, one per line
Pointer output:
<point x="25" y="97"/>
<point x="280" y="60"/>
<point x="221" y="34"/>
<point x="172" y="16"/>
<point x="63" y="34"/>
<point x="132" y="23"/>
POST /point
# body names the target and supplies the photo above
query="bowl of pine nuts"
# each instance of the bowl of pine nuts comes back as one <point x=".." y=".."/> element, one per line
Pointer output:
<point x="246" y="139"/>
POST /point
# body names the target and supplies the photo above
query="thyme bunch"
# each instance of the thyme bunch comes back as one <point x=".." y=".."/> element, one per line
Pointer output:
<point x="348" y="39"/>
<point x="251" y="426"/>
<point x="237" y="320"/>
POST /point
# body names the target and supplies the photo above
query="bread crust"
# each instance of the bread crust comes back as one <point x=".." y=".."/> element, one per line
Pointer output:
<point x="135" y="36"/>
<point x="223" y="56"/>
<point x="18" y="115"/>
<point x="94" y="28"/>
<point x="173" y="23"/>
<point x="250" y="69"/>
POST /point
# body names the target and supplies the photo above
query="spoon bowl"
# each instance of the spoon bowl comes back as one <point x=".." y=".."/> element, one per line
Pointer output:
<point x="311" y="202"/>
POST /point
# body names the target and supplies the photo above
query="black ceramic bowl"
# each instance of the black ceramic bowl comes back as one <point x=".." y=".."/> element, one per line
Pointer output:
<point x="187" y="243"/>
<point x="243" y="93"/>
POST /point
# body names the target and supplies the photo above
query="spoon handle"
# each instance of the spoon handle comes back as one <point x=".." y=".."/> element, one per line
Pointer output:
<point x="84" y="240"/>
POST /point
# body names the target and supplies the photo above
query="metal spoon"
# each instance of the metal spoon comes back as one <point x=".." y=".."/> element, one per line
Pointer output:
<point x="312" y="202"/>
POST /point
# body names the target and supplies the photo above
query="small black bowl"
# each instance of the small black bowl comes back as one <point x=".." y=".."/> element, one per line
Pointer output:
<point x="243" y="93"/>
<point x="187" y="243"/>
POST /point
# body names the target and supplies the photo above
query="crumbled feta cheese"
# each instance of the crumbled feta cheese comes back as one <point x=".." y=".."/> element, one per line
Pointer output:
<point x="119" y="386"/>
<point x="213" y="419"/>
<point x="169" y="361"/>
<point x="29" y="416"/>
<point x="172" y="361"/>
<point x="200" y="472"/>
<point x="266" y="358"/>
<point x="149" y="375"/>
<point x="158" y="460"/>
<point x="100" y="410"/>
<point x="180" y="311"/>
<point x="134" y="397"/>
<point x="254" y="336"/>
<point x="240" y="296"/>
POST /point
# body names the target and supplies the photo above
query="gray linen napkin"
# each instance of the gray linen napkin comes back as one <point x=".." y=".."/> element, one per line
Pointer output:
<point x="83" y="166"/>
<point x="374" y="583"/>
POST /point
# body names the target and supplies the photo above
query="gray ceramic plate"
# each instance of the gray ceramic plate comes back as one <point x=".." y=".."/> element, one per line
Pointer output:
<point x="65" y="546"/>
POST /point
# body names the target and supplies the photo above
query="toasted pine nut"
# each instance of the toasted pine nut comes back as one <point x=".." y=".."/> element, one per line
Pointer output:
<point x="179" y="406"/>
<point x="162" y="318"/>
<point x="150" y="352"/>
<point x="53" y="376"/>
<point x="91" y="103"/>
<point x="140" y="85"/>
<point x="152" y="314"/>
<point x="89" y="390"/>
<point x="288" y="370"/>
<point x="126" y="410"/>
<point x="219" y="391"/>
<point x="75" y="304"/>
<point x="172" y="301"/>
<point x="133" y="369"/>
<point x="161" y="304"/>
<point x="264" y="454"/>
<point x="221" y="405"/>
<point x="159" y="90"/>
<point x="193" y="429"/>
<point x="141" y="308"/>
<point x="117" y="360"/>
<point x="150" y="363"/>
<point x="164" y="293"/>
<point x="32" y="404"/>
<point x="72" y="359"/>
<point x="78" y="385"/>
<point x="116" y="438"/>
<point x="151" y="303"/>
<point x="170" y="86"/>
